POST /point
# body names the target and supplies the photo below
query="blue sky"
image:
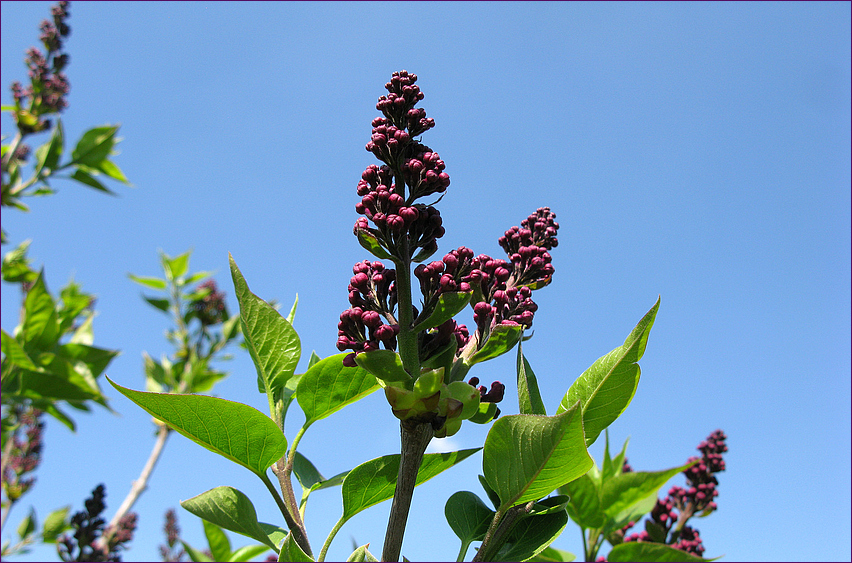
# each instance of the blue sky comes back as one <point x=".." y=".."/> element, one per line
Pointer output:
<point x="697" y="151"/>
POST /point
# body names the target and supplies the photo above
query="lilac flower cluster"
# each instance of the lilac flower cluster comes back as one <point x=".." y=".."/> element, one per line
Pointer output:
<point x="372" y="296"/>
<point x="89" y="530"/>
<point x="168" y="552"/>
<point x="48" y="84"/>
<point x="404" y="229"/>
<point x="210" y="308"/>
<point x="24" y="455"/>
<point x="528" y="248"/>
<point x="670" y="514"/>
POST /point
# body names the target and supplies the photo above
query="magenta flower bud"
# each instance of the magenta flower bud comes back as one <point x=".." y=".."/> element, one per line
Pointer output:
<point x="371" y="319"/>
<point x="395" y="223"/>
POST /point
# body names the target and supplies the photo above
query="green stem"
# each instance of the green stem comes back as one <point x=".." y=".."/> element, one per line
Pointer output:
<point x="414" y="437"/>
<point x="294" y="522"/>
<point x="497" y="532"/>
<point x="330" y="537"/>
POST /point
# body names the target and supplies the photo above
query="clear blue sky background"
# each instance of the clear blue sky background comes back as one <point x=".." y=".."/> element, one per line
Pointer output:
<point x="696" y="151"/>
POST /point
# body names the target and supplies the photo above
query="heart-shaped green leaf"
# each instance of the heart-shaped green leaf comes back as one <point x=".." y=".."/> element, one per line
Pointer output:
<point x="468" y="517"/>
<point x="272" y="341"/>
<point x="607" y="386"/>
<point x="236" y="431"/>
<point x="527" y="456"/>
<point x="230" y="509"/>
<point x="328" y="386"/>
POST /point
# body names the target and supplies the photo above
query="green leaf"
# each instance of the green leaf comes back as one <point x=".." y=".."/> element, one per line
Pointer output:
<point x="95" y="359"/>
<point x="161" y="304"/>
<point x="292" y="315"/>
<point x="386" y="365"/>
<point x="529" y="397"/>
<point x="607" y="387"/>
<point x="95" y="145"/>
<point x="644" y="551"/>
<point x="553" y="555"/>
<point x="230" y="509"/>
<point x="194" y="554"/>
<point x="47" y="155"/>
<point x="362" y="554"/>
<point x="15" y="353"/>
<point x="248" y="552"/>
<point x="67" y="385"/>
<point x="374" y="481"/>
<point x="621" y="492"/>
<point x="110" y="169"/>
<point x="234" y="430"/>
<point x="176" y="267"/>
<point x="449" y="304"/>
<point x="55" y="524"/>
<point x="369" y="241"/>
<point x="328" y="386"/>
<point x="16" y="265"/>
<point x="272" y="341"/>
<point x="307" y="474"/>
<point x="28" y="524"/>
<point x="528" y="456"/>
<point x="40" y="328"/>
<point x="501" y="340"/>
<point x="85" y="178"/>
<point x="291" y="551"/>
<point x="220" y="546"/>
<point x="584" y="505"/>
<point x="468" y="517"/>
<point x="153" y="283"/>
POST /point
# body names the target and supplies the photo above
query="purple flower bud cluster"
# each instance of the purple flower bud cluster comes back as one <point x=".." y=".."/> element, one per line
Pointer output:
<point x="88" y="529"/>
<point x="424" y="172"/>
<point x="210" y="309"/>
<point x="24" y="455"/>
<point x="372" y="295"/>
<point x="493" y="395"/>
<point x="398" y="105"/>
<point x="528" y="246"/>
<point x="393" y="217"/>
<point x="168" y="552"/>
<point x="396" y="216"/>
<point x="48" y="84"/>
<point x="700" y="477"/>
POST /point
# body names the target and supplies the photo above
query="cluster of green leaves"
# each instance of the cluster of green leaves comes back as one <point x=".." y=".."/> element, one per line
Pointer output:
<point x="196" y="345"/>
<point x="49" y="358"/>
<point x="89" y="159"/>
<point x="55" y="524"/>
